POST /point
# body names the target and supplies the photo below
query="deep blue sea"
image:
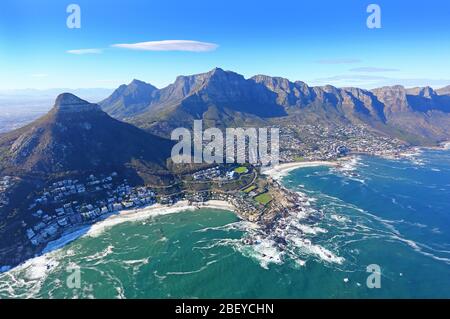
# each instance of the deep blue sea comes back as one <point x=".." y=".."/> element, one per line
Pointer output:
<point x="391" y="213"/>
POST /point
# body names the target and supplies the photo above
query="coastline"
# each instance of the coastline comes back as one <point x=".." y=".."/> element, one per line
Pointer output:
<point x="139" y="214"/>
<point x="123" y="216"/>
<point x="281" y="170"/>
<point x="152" y="211"/>
<point x="276" y="173"/>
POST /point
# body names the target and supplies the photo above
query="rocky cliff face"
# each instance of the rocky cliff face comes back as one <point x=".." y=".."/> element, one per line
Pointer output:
<point x="425" y="92"/>
<point x="393" y="98"/>
<point x="444" y="90"/>
<point x="224" y="98"/>
<point x="129" y="100"/>
<point x="420" y="113"/>
<point x="289" y="94"/>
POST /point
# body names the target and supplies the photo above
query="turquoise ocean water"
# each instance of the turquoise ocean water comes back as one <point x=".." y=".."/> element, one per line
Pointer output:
<point x="395" y="214"/>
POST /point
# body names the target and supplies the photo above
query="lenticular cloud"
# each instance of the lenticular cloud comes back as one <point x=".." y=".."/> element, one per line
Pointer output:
<point x="169" y="45"/>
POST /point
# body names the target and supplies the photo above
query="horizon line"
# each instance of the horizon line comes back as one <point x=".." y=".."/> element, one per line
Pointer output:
<point x="434" y="87"/>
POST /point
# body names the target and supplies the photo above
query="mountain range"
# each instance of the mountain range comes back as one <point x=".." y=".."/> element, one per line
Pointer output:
<point x="223" y="98"/>
<point x="127" y="132"/>
<point x="78" y="137"/>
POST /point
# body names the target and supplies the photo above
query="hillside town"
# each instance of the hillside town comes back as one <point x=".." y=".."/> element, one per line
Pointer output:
<point x="68" y="204"/>
<point x="319" y="142"/>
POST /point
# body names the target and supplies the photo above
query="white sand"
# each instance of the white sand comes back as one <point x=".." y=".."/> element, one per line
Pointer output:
<point x="97" y="228"/>
<point x="281" y="170"/>
<point x="154" y="210"/>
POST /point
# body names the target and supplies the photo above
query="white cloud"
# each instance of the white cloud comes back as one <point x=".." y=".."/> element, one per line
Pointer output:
<point x="373" y="70"/>
<point x="169" y="45"/>
<point x="85" y="51"/>
<point x="373" y="81"/>
<point x="338" y="61"/>
<point x="351" y="77"/>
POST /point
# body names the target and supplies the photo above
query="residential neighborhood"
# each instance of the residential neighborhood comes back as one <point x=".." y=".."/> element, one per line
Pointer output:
<point x="69" y="203"/>
<point x="319" y="142"/>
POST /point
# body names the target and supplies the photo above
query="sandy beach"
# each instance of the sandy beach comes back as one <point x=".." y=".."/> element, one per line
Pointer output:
<point x="281" y="170"/>
<point x="131" y="215"/>
<point x="154" y="210"/>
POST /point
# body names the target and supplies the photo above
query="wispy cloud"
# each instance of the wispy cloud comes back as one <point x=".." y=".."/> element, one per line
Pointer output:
<point x="338" y="61"/>
<point x="372" y="81"/>
<point x="351" y="77"/>
<point x="85" y="51"/>
<point x="169" y="45"/>
<point x="373" y="70"/>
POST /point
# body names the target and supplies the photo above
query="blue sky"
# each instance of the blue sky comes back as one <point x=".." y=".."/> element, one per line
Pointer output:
<point x="319" y="42"/>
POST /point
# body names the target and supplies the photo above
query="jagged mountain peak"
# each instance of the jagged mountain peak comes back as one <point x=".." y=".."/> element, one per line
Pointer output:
<point x="217" y="70"/>
<point x="137" y="85"/>
<point x="129" y="99"/>
<point x="425" y="92"/>
<point x="138" y="82"/>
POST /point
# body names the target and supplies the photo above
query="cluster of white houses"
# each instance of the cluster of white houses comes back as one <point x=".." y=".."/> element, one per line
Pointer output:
<point x="69" y="203"/>
<point x="319" y="142"/>
<point x="124" y="197"/>
<point x="217" y="173"/>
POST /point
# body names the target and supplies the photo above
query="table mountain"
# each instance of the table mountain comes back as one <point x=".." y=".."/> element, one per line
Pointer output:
<point x="224" y="98"/>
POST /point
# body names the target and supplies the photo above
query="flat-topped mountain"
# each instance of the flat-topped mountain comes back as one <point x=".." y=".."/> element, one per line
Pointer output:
<point x="77" y="136"/>
<point x="224" y="98"/>
<point x="220" y="98"/>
